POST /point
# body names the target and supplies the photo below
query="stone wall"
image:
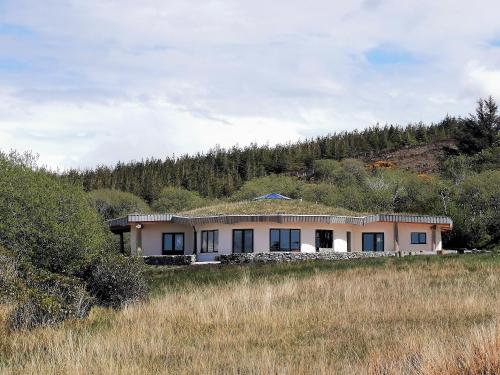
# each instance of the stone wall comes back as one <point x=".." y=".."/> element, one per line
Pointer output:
<point x="169" y="260"/>
<point x="293" y="257"/>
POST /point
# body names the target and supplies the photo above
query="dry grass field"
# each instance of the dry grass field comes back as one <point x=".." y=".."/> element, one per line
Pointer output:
<point x="418" y="315"/>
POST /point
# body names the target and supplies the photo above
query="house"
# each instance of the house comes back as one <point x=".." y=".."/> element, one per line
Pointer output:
<point x="277" y="225"/>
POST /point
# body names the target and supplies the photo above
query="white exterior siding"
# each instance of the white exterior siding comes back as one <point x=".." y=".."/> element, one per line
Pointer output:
<point x="151" y="236"/>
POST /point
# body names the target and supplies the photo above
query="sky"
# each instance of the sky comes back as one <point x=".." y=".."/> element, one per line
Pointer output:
<point x="88" y="82"/>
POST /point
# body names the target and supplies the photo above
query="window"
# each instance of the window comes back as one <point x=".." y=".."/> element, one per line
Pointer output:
<point x="418" y="238"/>
<point x="173" y="243"/>
<point x="209" y="241"/>
<point x="324" y="239"/>
<point x="349" y="242"/>
<point x="242" y="240"/>
<point x="284" y="239"/>
<point x="373" y="241"/>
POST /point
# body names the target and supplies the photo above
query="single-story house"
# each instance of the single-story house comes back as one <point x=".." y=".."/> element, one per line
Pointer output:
<point x="277" y="226"/>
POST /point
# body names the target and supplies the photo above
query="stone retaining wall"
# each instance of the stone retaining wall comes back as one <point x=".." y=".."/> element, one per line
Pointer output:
<point x="169" y="260"/>
<point x="293" y="257"/>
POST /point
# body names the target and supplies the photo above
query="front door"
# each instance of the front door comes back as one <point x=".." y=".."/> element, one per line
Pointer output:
<point x="324" y="239"/>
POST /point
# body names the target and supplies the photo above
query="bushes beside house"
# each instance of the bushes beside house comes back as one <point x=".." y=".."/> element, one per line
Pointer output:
<point x="56" y="252"/>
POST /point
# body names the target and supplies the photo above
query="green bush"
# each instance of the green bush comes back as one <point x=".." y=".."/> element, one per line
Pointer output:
<point x="475" y="211"/>
<point x="40" y="297"/>
<point x="49" y="222"/>
<point x="111" y="203"/>
<point x="115" y="281"/>
<point x="174" y="199"/>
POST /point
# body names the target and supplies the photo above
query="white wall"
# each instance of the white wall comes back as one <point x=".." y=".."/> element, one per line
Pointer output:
<point x="152" y="236"/>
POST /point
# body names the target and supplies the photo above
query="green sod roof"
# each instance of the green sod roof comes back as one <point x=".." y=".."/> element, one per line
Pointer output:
<point x="269" y="207"/>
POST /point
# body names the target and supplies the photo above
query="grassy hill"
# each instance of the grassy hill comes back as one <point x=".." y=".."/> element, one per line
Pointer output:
<point x="418" y="315"/>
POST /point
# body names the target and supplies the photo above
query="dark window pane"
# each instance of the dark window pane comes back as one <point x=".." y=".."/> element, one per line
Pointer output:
<point x="284" y="239"/>
<point x="237" y="241"/>
<point x="179" y="242"/>
<point x="295" y="239"/>
<point x="216" y="240"/>
<point x="368" y="241"/>
<point x="204" y="238"/>
<point x="414" y="237"/>
<point x="423" y="238"/>
<point x="275" y="239"/>
<point x="248" y="241"/>
<point x="167" y="242"/>
<point x="379" y="246"/>
<point x="348" y="241"/>
<point x="210" y="241"/>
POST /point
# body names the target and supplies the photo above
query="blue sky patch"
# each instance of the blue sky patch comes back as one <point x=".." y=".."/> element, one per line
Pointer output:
<point x="388" y="55"/>
<point x="12" y="65"/>
<point x="17" y="30"/>
<point x="495" y="43"/>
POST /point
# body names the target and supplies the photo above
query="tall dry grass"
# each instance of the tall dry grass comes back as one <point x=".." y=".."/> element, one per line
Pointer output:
<point x="412" y="319"/>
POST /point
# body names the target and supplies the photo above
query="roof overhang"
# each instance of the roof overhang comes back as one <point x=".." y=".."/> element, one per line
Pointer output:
<point x="444" y="222"/>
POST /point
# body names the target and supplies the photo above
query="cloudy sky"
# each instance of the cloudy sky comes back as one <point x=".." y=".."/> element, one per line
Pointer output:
<point x="84" y="82"/>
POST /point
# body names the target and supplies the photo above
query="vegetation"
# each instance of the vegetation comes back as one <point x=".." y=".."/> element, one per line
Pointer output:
<point x="112" y="203"/>
<point x="172" y="199"/>
<point x="220" y="172"/>
<point x="270" y="207"/>
<point x="418" y="315"/>
<point x="50" y="234"/>
<point x="323" y="171"/>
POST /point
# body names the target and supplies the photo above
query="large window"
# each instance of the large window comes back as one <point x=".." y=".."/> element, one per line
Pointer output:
<point x="209" y="241"/>
<point x="324" y="239"/>
<point x="373" y="241"/>
<point x="173" y="243"/>
<point x="284" y="239"/>
<point x="418" y="238"/>
<point x="242" y="240"/>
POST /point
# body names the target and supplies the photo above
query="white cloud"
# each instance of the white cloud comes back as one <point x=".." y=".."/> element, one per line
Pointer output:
<point x="115" y="80"/>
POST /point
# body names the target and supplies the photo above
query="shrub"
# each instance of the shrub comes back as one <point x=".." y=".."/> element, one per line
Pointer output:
<point x="40" y="297"/>
<point x="55" y="300"/>
<point x="111" y="203"/>
<point x="115" y="280"/>
<point x="173" y="199"/>
<point x="49" y="222"/>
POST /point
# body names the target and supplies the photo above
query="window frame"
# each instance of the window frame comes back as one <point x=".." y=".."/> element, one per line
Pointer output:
<point x="419" y="242"/>
<point x="374" y="242"/>
<point x="173" y="251"/>
<point x="316" y="238"/>
<point x="243" y="241"/>
<point x="290" y="250"/>
<point x="215" y="249"/>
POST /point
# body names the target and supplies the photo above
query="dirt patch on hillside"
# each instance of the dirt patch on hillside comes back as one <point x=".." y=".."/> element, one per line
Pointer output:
<point x="420" y="159"/>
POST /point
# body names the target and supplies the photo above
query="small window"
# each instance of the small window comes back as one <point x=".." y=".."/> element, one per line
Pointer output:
<point x="209" y="241"/>
<point x="324" y="239"/>
<point x="418" y="238"/>
<point x="173" y="243"/>
<point x="242" y="240"/>
<point x="349" y="249"/>
<point x="284" y="239"/>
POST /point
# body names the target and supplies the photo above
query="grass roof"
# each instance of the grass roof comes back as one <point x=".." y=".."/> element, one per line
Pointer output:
<point x="269" y="207"/>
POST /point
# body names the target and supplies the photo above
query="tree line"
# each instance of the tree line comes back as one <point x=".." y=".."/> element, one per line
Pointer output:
<point x="220" y="172"/>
